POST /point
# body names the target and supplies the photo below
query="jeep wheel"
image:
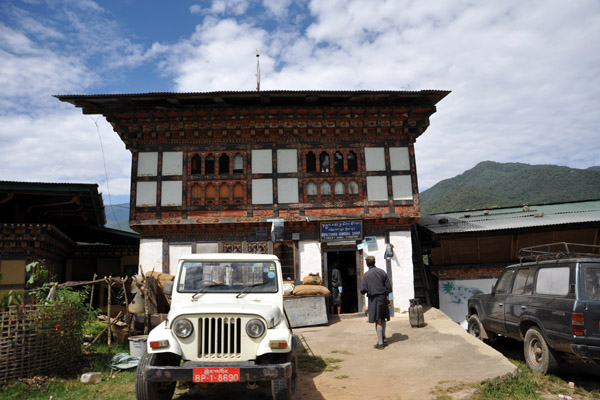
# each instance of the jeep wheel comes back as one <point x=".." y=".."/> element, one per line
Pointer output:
<point x="539" y="357"/>
<point x="285" y="389"/>
<point x="146" y="390"/>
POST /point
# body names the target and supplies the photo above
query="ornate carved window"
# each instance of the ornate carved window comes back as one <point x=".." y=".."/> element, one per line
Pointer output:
<point x="352" y="187"/>
<point x="339" y="188"/>
<point x="224" y="164"/>
<point x="238" y="164"/>
<point x="196" y="191"/>
<point x="338" y="162"/>
<point x="258" y="247"/>
<point x="232" y="247"/>
<point x="324" y="162"/>
<point x="209" y="165"/>
<point x="352" y="162"/>
<point x="311" y="162"/>
<point x="325" y="189"/>
<point x="311" y="189"/>
<point x="238" y="193"/>
<point x="196" y="164"/>
<point x="224" y="193"/>
<point x="211" y="194"/>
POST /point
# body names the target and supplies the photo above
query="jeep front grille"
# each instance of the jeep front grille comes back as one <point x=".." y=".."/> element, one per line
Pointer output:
<point x="219" y="337"/>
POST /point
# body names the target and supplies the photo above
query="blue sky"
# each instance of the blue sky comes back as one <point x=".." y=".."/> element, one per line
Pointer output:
<point x="524" y="75"/>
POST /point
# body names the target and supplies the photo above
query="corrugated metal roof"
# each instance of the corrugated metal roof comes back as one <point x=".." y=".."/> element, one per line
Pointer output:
<point x="513" y="217"/>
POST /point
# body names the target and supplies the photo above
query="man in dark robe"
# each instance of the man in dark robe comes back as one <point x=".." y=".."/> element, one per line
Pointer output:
<point x="376" y="285"/>
<point x="336" y="290"/>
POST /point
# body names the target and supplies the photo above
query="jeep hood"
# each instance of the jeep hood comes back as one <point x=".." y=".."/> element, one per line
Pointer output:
<point x="270" y="312"/>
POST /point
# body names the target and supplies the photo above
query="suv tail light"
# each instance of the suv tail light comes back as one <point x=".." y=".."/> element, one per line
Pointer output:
<point x="577" y="326"/>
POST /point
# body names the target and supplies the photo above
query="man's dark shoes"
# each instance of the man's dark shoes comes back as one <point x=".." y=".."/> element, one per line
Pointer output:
<point x="379" y="346"/>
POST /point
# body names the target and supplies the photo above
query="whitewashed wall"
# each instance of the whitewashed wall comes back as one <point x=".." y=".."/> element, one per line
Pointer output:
<point x="310" y="258"/>
<point x="176" y="251"/>
<point x="454" y="295"/>
<point x="401" y="266"/>
<point x="402" y="269"/>
<point x="151" y="254"/>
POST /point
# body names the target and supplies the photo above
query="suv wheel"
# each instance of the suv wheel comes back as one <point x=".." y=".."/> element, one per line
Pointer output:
<point x="539" y="357"/>
<point x="475" y="328"/>
<point x="146" y="390"/>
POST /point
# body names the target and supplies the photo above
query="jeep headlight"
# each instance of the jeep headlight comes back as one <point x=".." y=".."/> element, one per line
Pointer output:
<point x="183" y="328"/>
<point x="255" y="328"/>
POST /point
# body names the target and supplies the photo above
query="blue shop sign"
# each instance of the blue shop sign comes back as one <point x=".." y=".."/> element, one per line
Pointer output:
<point x="341" y="230"/>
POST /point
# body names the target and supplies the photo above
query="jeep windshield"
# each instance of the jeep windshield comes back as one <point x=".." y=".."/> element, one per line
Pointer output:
<point x="227" y="277"/>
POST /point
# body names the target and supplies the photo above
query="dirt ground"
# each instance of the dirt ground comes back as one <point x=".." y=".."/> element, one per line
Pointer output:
<point x="415" y="362"/>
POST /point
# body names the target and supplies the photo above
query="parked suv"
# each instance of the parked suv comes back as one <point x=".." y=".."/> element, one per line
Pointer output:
<point x="552" y="305"/>
<point x="226" y="324"/>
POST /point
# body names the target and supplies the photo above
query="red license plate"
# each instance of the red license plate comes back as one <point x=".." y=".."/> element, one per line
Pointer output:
<point x="216" y="374"/>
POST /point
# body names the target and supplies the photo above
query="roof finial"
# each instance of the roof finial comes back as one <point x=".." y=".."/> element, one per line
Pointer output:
<point x="257" y="72"/>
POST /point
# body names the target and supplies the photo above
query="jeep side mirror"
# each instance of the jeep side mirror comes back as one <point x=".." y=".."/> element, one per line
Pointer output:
<point x="168" y="288"/>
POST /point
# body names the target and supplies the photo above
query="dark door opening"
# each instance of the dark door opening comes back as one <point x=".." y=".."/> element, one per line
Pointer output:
<point x="345" y="260"/>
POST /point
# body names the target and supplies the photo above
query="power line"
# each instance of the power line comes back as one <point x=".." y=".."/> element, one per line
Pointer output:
<point x="105" y="171"/>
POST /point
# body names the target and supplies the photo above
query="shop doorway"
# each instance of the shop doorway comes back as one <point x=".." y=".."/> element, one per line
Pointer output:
<point x="346" y="263"/>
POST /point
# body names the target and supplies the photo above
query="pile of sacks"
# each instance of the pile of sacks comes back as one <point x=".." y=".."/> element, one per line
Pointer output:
<point x="312" y="285"/>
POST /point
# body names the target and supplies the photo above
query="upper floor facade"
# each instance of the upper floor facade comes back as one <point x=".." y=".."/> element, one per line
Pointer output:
<point x="246" y="157"/>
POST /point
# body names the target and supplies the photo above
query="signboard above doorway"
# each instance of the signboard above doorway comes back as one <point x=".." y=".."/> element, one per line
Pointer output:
<point x="340" y="230"/>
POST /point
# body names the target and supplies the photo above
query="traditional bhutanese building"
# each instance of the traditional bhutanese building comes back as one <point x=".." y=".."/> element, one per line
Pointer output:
<point x="319" y="178"/>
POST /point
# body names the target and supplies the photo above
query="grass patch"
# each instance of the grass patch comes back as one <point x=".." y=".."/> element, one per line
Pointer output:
<point x="332" y="363"/>
<point x="66" y="385"/>
<point x="524" y="385"/>
<point x="342" y="377"/>
<point x="316" y="364"/>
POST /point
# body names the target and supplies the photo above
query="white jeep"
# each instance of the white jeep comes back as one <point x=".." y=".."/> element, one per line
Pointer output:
<point x="226" y="324"/>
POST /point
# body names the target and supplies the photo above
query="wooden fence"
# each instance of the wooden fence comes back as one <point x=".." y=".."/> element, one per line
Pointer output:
<point x="37" y="339"/>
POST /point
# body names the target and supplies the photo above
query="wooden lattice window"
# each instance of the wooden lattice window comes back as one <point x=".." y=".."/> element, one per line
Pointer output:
<point x="258" y="247"/>
<point x="232" y="247"/>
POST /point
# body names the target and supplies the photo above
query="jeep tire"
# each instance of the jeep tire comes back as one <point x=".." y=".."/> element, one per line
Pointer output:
<point x="539" y="357"/>
<point x="285" y="389"/>
<point x="145" y="390"/>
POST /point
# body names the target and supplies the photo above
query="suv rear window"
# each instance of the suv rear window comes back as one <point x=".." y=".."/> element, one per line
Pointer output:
<point x="553" y="281"/>
<point x="592" y="283"/>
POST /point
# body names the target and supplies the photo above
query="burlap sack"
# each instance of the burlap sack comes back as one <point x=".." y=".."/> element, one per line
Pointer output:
<point x="311" y="290"/>
<point x="312" y="279"/>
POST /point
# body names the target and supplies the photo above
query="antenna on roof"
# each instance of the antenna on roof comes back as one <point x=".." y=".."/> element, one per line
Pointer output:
<point x="257" y="72"/>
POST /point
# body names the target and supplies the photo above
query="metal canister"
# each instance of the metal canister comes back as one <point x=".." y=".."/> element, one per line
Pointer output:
<point x="415" y="314"/>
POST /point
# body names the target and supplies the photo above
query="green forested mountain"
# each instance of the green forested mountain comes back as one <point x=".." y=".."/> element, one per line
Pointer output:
<point x="490" y="184"/>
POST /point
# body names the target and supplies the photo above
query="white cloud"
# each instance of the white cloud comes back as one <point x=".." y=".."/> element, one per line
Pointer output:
<point x="62" y="147"/>
<point x="525" y="76"/>
<point x="226" y="48"/>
